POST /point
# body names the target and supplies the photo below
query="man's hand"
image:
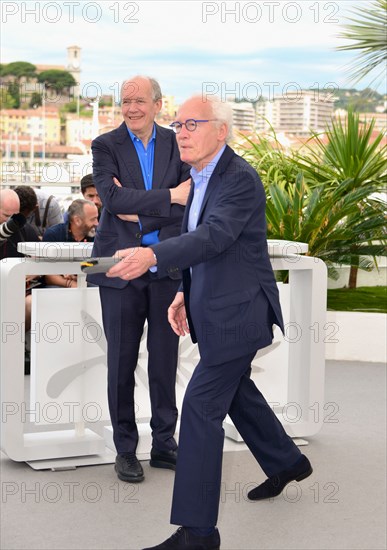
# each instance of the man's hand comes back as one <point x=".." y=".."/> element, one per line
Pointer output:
<point x="125" y="217"/>
<point x="134" y="263"/>
<point x="65" y="281"/>
<point x="177" y="315"/>
<point x="179" y="194"/>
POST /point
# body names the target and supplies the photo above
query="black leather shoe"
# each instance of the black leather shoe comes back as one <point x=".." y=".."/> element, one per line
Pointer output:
<point x="182" y="539"/>
<point x="163" y="459"/>
<point x="128" y="468"/>
<point x="274" y="485"/>
<point x="27" y="363"/>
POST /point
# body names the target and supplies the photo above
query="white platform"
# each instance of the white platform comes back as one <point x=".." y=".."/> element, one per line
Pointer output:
<point x="68" y="370"/>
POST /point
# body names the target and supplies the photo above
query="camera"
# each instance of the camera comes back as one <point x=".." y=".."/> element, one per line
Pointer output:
<point x="8" y="228"/>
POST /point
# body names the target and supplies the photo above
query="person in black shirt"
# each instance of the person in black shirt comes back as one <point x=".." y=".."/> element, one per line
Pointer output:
<point x="90" y="192"/>
<point x="12" y="202"/>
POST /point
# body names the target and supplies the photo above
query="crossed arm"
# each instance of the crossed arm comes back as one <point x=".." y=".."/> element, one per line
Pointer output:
<point x="179" y="195"/>
<point x="154" y="209"/>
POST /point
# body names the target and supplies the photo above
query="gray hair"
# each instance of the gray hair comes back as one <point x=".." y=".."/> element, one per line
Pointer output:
<point x="155" y="86"/>
<point x="221" y="110"/>
<point x="76" y="208"/>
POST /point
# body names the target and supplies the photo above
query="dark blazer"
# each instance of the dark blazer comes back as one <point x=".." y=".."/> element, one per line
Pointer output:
<point x="232" y="279"/>
<point x="114" y="155"/>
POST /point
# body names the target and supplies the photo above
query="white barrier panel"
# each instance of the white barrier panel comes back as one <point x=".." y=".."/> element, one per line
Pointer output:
<point x="68" y="368"/>
<point x="353" y="329"/>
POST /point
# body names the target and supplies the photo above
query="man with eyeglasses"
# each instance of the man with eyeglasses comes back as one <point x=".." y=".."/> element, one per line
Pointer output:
<point x="143" y="186"/>
<point x="228" y="303"/>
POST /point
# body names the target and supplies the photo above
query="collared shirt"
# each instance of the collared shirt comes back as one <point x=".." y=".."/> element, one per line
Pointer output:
<point x="201" y="180"/>
<point x="61" y="233"/>
<point x="146" y="156"/>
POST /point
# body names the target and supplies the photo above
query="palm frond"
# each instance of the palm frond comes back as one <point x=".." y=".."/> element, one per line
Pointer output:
<point x="367" y="34"/>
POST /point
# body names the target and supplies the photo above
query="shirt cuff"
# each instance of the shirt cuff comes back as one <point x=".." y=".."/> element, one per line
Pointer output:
<point x="153" y="269"/>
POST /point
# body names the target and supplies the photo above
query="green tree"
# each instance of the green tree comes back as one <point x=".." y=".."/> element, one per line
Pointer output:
<point x="19" y="69"/>
<point x="57" y="80"/>
<point x="36" y="100"/>
<point x="12" y="96"/>
<point x="9" y="101"/>
<point x="16" y="71"/>
<point x="367" y="34"/>
<point x="70" y="107"/>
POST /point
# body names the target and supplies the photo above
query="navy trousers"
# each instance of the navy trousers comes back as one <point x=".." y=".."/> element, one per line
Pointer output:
<point x="212" y="392"/>
<point x="124" y="312"/>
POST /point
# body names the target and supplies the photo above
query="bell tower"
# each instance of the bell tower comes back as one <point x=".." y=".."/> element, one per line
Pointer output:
<point x="74" y="67"/>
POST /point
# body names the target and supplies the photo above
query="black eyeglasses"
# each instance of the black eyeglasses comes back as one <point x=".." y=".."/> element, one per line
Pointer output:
<point x="191" y="124"/>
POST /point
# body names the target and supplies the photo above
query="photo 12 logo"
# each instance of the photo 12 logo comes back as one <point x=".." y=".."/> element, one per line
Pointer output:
<point x="269" y="12"/>
<point x="68" y="12"/>
<point x="252" y="91"/>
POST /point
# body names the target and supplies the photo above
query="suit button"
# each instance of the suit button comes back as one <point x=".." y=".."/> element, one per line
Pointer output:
<point x="138" y="235"/>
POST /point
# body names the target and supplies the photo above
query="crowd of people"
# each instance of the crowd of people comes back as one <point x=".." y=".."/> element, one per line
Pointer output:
<point x="28" y="214"/>
<point x="184" y="217"/>
<point x="36" y="216"/>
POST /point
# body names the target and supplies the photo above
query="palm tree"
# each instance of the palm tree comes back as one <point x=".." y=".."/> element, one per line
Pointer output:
<point x="367" y="33"/>
<point x="354" y="159"/>
<point x="327" y="197"/>
<point x="269" y="157"/>
<point x="328" y="220"/>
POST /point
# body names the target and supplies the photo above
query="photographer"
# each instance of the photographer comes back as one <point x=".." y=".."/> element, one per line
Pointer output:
<point x="13" y="226"/>
<point x="14" y="207"/>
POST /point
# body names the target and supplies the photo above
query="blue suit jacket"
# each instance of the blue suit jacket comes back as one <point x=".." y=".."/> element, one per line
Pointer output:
<point x="231" y="297"/>
<point x="114" y="155"/>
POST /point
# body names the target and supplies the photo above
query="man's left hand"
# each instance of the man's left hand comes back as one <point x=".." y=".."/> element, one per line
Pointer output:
<point x="134" y="263"/>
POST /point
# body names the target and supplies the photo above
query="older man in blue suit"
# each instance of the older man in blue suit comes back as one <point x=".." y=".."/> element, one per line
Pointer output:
<point x="229" y="303"/>
<point x="144" y="187"/>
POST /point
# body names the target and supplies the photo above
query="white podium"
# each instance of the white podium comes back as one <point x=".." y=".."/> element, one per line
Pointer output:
<point x="68" y="404"/>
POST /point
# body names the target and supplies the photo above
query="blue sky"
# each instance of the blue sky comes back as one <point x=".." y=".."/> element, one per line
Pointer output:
<point x="258" y="47"/>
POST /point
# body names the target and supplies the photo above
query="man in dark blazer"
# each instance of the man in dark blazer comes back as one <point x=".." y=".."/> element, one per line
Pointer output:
<point x="143" y="186"/>
<point x="229" y="304"/>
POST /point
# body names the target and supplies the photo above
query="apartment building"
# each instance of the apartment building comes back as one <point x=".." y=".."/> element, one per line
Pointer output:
<point x="41" y="123"/>
<point x="296" y="113"/>
<point x="243" y="116"/>
<point x="301" y="112"/>
<point x="82" y="129"/>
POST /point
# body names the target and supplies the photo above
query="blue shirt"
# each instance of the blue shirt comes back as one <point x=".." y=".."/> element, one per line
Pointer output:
<point x="146" y="156"/>
<point x="201" y="180"/>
